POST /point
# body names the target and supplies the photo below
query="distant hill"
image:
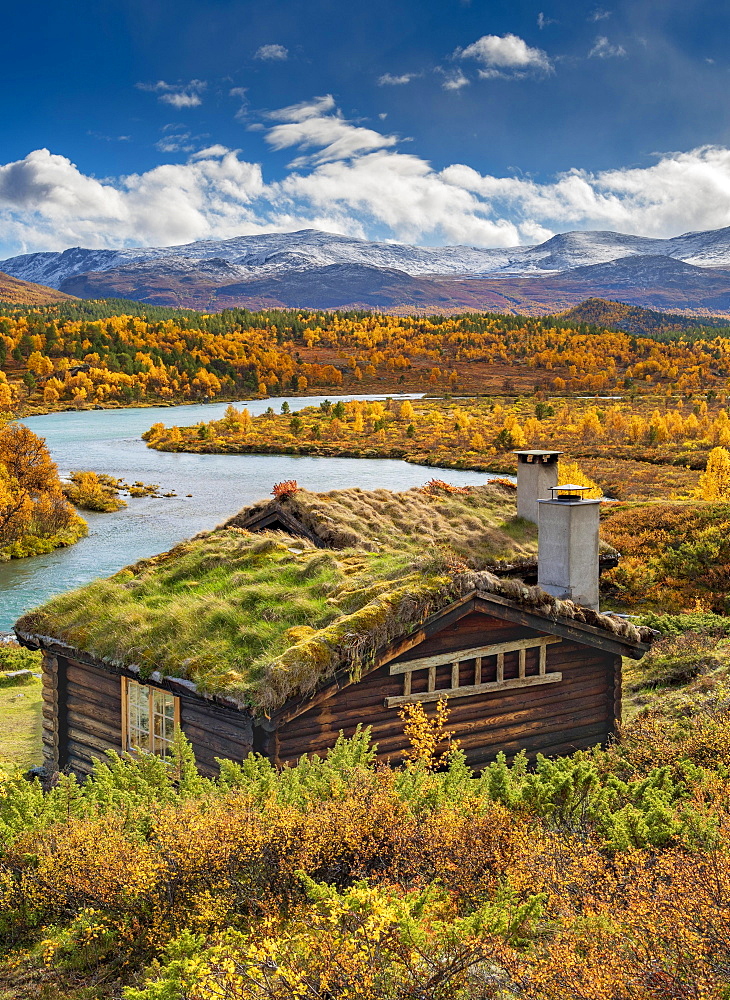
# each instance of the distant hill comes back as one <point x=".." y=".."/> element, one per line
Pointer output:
<point x="26" y="293"/>
<point x="312" y="269"/>
<point x="655" y="282"/>
<point x="208" y="287"/>
<point x="633" y="319"/>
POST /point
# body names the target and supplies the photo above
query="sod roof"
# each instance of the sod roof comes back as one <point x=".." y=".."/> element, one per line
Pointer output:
<point x="261" y="618"/>
<point x="479" y="524"/>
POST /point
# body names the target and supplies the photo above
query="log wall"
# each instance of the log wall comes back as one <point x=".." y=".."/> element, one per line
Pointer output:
<point x="557" y="718"/>
<point x="82" y="719"/>
<point x="53" y="693"/>
<point x="82" y="712"/>
<point x="215" y="732"/>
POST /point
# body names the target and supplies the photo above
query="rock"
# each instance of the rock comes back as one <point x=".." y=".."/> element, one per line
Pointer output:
<point x="9" y="678"/>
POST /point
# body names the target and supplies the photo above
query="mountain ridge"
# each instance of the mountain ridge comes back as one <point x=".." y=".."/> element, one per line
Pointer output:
<point x="307" y="248"/>
<point x="310" y="268"/>
<point x="653" y="282"/>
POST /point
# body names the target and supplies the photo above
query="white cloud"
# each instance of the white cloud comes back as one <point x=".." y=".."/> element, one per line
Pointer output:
<point x="353" y="180"/>
<point x="210" y="151"/>
<point x="175" y="142"/>
<point x="454" y="80"/>
<point x="599" y="14"/>
<point x="305" y="109"/>
<point x="47" y="202"/>
<point x="501" y="55"/>
<point x="319" y="125"/>
<point x="603" y="49"/>
<point x="179" y="95"/>
<point x="543" y="20"/>
<point x="272" y="53"/>
<point x="335" y="139"/>
<point x="388" y="80"/>
<point x="241" y="93"/>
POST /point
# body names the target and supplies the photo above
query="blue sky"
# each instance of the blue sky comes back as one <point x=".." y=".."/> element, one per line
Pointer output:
<point x="438" y="121"/>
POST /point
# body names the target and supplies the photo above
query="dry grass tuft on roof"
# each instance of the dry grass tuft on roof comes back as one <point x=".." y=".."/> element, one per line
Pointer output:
<point x="479" y="524"/>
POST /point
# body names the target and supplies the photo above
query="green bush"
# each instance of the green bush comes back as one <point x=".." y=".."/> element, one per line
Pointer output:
<point x="693" y="621"/>
<point x="13" y="657"/>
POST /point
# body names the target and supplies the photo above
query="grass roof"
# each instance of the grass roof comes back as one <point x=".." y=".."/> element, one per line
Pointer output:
<point x="479" y="525"/>
<point x="261" y="618"/>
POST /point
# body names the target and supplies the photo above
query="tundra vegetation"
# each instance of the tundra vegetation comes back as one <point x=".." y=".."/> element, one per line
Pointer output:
<point x="604" y="875"/>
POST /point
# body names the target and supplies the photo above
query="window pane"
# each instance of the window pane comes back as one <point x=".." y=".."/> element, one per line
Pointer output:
<point x="139" y="740"/>
<point x="151" y="719"/>
<point x="163" y="723"/>
<point x="138" y="711"/>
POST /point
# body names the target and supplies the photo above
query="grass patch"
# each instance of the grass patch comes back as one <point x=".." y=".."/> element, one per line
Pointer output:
<point x="20" y="726"/>
<point x="686" y="672"/>
<point x="14" y="657"/>
<point x="254" y="616"/>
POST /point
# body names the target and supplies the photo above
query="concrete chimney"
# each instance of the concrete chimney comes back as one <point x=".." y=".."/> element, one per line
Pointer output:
<point x="537" y="473"/>
<point x="567" y="553"/>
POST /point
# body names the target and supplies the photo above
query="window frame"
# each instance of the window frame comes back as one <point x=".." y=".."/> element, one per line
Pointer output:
<point x="160" y="746"/>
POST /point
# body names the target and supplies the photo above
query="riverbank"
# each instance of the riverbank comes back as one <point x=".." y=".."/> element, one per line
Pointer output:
<point x="632" y="448"/>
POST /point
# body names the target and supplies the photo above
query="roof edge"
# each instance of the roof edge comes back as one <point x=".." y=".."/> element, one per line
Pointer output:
<point x="179" y="685"/>
<point x="607" y="638"/>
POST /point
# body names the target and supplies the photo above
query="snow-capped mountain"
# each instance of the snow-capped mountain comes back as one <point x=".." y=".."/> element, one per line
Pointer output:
<point x="271" y="254"/>
<point x="583" y="249"/>
<point x="321" y="270"/>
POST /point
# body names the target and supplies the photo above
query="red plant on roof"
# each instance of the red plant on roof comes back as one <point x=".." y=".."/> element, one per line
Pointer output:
<point x="450" y="558"/>
<point x="286" y="489"/>
<point x="435" y="486"/>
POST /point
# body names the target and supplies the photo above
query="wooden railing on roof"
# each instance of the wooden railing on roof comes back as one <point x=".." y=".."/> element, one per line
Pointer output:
<point x="479" y="654"/>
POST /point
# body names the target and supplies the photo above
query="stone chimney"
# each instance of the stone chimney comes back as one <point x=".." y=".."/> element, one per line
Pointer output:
<point x="567" y="554"/>
<point x="537" y="473"/>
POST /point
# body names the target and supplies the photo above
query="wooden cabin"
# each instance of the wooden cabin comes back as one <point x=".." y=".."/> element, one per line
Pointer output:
<point x="521" y="669"/>
<point x="514" y="679"/>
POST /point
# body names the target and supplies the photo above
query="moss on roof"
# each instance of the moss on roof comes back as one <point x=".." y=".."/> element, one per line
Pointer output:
<point x="480" y="525"/>
<point x="257" y="617"/>
<point x="262" y="618"/>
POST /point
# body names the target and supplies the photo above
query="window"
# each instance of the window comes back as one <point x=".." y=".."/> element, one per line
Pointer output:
<point x="150" y="716"/>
